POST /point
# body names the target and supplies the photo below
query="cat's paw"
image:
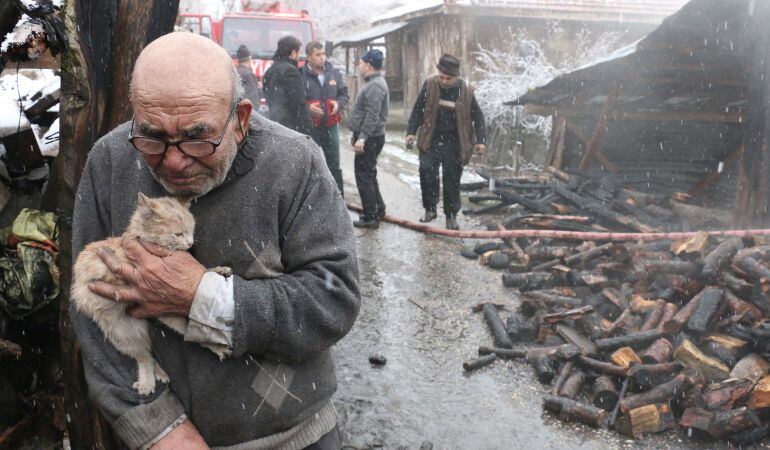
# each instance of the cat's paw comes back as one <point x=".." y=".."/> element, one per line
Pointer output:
<point x="222" y="351"/>
<point x="223" y="270"/>
<point x="160" y="374"/>
<point x="145" y="387"/>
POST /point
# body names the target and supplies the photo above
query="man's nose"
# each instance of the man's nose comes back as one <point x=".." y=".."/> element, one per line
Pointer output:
<point x="175" y="160"/>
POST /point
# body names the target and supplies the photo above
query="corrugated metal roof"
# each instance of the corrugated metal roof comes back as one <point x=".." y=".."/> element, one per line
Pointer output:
<point x="645" y="11"/>
<point x="370" y="34"/>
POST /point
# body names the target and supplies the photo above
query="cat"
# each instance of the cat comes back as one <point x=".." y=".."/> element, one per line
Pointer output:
<point x="167" y="222"/>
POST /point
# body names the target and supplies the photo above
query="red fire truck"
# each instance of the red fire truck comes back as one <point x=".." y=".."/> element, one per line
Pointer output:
<point x="259" y="26"/>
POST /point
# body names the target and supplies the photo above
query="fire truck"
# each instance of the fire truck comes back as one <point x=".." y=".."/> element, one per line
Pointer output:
<point x="259" y="26"/>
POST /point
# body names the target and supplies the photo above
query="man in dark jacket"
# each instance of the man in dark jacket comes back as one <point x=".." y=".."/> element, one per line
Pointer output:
<point x="367" y="122"/>
<point x="449" y="125"/>
<point x="249" y="80"/>
<point x="285" y="89"/>
<point x="327" y="97"/>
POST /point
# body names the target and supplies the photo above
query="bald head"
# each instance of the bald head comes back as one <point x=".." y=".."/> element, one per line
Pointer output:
<point x="183" y="65"/>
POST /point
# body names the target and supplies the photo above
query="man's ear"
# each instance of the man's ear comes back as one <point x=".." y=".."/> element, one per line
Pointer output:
<point x="245" y="109"/>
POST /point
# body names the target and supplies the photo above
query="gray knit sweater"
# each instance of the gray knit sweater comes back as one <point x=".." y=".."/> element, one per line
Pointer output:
<point x="279" y="222"/>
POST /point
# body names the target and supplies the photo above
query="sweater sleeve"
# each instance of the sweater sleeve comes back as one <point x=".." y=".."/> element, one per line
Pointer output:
<point x="297" y="99"/>
<point x="416" y="117"/>
<point x="137" y="419"/>
<point x="343" y="97"/>
<point x="477" y="117"/>
<point x="315" y="301"/>
<point x="374" y="100"/>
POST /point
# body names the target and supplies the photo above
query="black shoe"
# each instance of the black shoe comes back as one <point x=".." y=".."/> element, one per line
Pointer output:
<point x="380" y="214"/>
<point x="451" y="223"/>
<point x="428" y="216"/>
<point x="366" y="223"/>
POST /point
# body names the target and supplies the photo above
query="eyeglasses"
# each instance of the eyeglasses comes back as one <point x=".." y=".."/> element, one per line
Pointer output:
<point x="194" y="148"/>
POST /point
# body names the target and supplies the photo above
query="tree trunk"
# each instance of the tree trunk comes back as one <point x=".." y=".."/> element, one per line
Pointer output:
<point x="105" y="38"/>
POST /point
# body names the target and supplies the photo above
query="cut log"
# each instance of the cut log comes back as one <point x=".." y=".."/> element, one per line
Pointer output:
<point x="738" y="285"/>
<point x="669" y="311"/>
<point x="635" y="340"/>
<point x="547" y="253"/>
<point x="616" y="298"/>
<point x="627" y="322"/>
<point x="723" y="396"/>
<point x="754" y="269"/>
<point x="734" y="421"/>
<point x="705" y="311"/>
<point x="584" y="257"/>
<point x="697" y="421"/>
<point x="645" y="376"/>
<point x="605" y="392"/>
<point x="529" y="281"/>
<point x="751" y="436"/>
<point x="663" y="393"/>
<point x="602" y="367"/>
<point x="503" y="353"/>
<point x="647" y="419"/>
<point x="572" y="411"/>
<point x="676" y="267"/>
<point x="496" y="326"/>
<point x="572" y="314"/>
<point x="564" y="373"/>
<point x="602" y="211"/>
<point x="743" y="311"/>
<point x="719" y="258"/>
<point x="571" y="335"/>
<point x="520" y="328"/>
<point x="690" y="356"/>
<point x="624" y="357"/>
<point x="552" y="300"/>
<point x="573" y="386"/>
<point x="682" y="317"/>
<point x="480" y="362"/>
<point x="545" y="368"/>
<point x="661" y="351"/>
<point x="751" y="367"/>
<point x="760" y="396"/>
<point x="727" y="348"/>
<point x="592" y="325"/>
<point x="654" y="317"/>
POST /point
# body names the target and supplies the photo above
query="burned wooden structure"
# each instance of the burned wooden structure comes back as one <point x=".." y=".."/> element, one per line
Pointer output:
<point x="683" y="110"/>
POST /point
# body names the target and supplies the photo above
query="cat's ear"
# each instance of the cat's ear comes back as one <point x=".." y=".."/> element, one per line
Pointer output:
<point x="185" y="201"/>
<point x="144" y="200"/>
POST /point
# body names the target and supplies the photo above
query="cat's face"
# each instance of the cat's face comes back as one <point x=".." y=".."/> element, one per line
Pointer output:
<point x="165" y="221"/>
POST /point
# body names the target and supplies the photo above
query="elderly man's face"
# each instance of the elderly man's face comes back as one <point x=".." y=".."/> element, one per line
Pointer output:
<point x="191" y="117"/>
<point x="446" y="80"/>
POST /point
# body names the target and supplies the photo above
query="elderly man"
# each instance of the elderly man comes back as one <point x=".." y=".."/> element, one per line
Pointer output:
<point x="449" y="125"/>
<point x="267" y="207"/>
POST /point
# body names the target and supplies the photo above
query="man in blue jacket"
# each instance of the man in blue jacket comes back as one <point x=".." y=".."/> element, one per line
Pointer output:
<point x="327" y="98"/>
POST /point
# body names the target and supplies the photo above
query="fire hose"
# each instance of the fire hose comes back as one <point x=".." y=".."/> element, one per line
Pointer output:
<point x="559" y="234"/>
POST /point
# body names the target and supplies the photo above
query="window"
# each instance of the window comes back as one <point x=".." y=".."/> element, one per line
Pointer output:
<point x="261" y="35"/>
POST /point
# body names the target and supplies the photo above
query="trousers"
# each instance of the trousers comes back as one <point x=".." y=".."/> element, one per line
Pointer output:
<point x="329" y="141"/>
<point x="365" y="166"/>
<point x="444" y="153"/>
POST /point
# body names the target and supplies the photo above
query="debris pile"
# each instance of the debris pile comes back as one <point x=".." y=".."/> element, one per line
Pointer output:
<point x="638" y="337"/>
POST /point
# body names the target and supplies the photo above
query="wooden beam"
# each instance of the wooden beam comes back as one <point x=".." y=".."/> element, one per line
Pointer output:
<point x="601" y="129"/>
<point x="557" y="142"/>
<point x="599" y="155"/>
<point x="737" y="117"/>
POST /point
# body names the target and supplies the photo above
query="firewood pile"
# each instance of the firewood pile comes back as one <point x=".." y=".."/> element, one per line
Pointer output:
<point x="638" y="337"/>
<point x="560" y="201"/>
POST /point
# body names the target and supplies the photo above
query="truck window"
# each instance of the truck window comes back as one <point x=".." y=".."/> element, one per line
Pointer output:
<point x="262" y="35"/>
<point x="191" y="24"/>
<point x="206" y="27"/>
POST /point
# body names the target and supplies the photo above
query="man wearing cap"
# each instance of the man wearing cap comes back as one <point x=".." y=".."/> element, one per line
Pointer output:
<point x="284" y="88"/>
<point x="448" y="125"/>
<point x="367" y="122"/>
<point x="327" y="97"/>
<point x="249" y="80"/>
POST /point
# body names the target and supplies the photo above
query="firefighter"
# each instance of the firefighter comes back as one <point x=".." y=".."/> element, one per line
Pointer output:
<point x="447" y="125"/>
<point x="327" y="97"/>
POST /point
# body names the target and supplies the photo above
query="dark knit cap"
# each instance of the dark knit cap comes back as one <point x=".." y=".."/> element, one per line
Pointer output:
<point x="243" y="53"/>
<point x="374" y="57"/>
<point x="449" y="65"/>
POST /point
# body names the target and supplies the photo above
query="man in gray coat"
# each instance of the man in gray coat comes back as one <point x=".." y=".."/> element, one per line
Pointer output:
<point x="367" y="122"/>
<point x="265" y="206"/>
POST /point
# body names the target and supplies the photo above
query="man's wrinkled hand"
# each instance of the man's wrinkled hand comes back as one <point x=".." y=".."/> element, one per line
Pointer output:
<point x="359" y="147"/>
<point x="479" y="149"/>
<point x="158" y="282"/>
<point x="335" y="107"/>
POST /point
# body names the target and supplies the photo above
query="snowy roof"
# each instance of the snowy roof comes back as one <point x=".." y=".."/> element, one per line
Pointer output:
<point x="371" y="34"/>
<point x="630" y="11"/>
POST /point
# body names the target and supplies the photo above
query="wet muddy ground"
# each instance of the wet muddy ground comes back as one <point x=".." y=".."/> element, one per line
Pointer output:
<point x="417" y="293"/>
